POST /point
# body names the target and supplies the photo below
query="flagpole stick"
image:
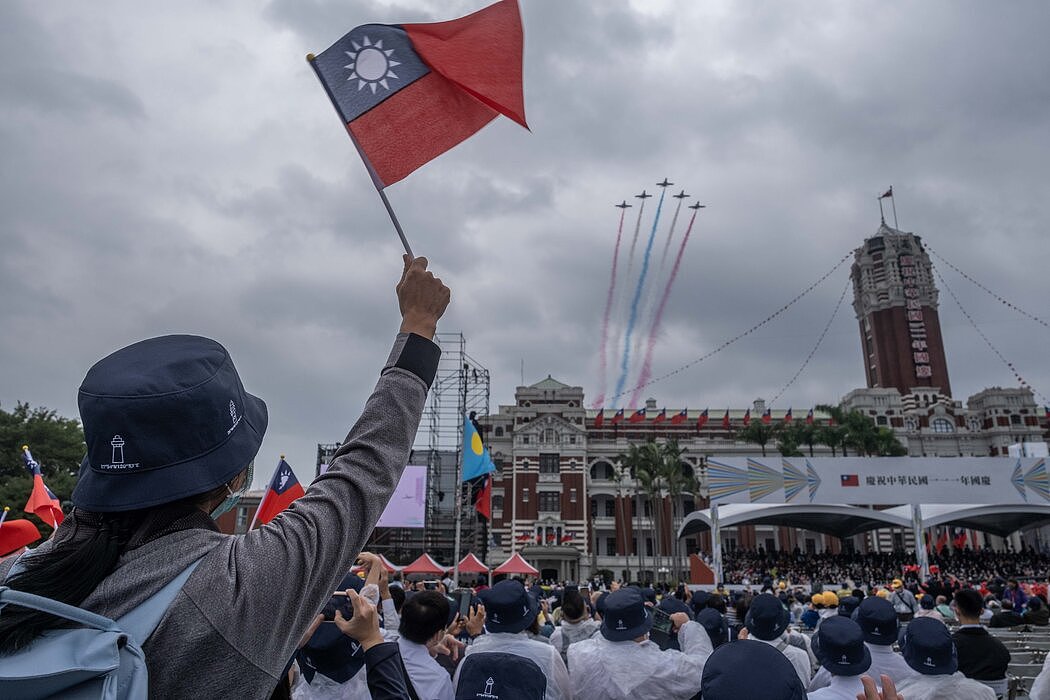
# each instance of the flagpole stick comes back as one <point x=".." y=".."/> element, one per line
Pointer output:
<point x="882" y="214"/>
<point x="310" y="58"/>
<point x="893" y="201"/>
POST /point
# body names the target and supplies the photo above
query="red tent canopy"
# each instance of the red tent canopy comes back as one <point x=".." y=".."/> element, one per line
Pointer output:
<point x="425" y="564"/>
<point x="470" y="564"/>
<point x="389" y="565"/>
<point x="516" y="565"/>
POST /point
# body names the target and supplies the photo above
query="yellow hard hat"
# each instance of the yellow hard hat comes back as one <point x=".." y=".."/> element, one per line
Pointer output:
<point x="817" y="599"/>
<point x="830" y="599"/>
<point x="897" y="583"/>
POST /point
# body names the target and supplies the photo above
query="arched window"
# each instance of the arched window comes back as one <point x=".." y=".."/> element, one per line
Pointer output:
<point x="499" y="431"/>
<point x="497" y="503"/>
<point x="601" y="471"/>
<point x="942" y="425"/>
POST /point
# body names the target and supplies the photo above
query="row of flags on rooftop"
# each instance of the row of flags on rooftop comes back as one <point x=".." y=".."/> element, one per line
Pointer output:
<point x="642" y="416"/>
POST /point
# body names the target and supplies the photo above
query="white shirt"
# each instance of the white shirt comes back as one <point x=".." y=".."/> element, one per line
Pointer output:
<point x="1041" y="686"/>
<point x="430" y="679"/>
<point x="639" y="671"/>
<point x="798" y="657"/>
<point x="840" y="688"/>
<point x="953" y="687"/>
<point x="884" y="660"/>
<point x="545" y="656"/>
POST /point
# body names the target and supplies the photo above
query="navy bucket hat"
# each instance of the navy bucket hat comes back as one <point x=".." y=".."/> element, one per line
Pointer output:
<point x="839" y="644"/>
<point x="626" y="617"/>
<point x="751" y="670"/>
<point x="716" y="626"/>
<point x="877" y="620"/>
<point x="164" y="419"/>
<point x="508" y="607"/>
<point x="330" y="652"/>
<point x="927" y="647"/>
<point x="766" y="617"/>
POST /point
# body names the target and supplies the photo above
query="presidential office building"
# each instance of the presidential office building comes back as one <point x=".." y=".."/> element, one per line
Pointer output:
<point x="556" y="498"/>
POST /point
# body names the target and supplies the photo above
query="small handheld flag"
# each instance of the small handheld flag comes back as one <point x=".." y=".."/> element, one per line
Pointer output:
<point x="476" y="460"/>
<point x="15" y="534"/>
<point x="42" y="503"/>
<point x="282" y="490"/>
<point x="407" y="93"/>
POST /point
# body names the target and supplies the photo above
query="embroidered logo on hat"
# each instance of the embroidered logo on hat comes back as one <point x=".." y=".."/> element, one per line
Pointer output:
<point x="620" y="625"/>
<point x="233" y="417"/>
<point x="487" y="693"/>
<point x="845" y="660"/>
<point x="117" y="462"/>
<point x="928" y="662"/>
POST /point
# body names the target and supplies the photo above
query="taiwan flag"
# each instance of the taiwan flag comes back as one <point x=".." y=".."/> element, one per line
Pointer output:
<point x="661" y="416"/>
<point x="702" y="420"/>
<point x="849" y="480"/>
<point x="409" y="92"/>
<point x="788" y="417"/>
<point x="809" y="417"/>
<point x="637" y="417"/>
<point x="483" y="500"/>
<point x="599" y="420"/>
<point x="679" y="418"/>
<point x="767" y="416"/>
<point x="617" y="417"/>
<point x="747" y="418"/>
<point x="283" y="489"/>
<point x="42" y="503"/>
<point x="725" y="420"/>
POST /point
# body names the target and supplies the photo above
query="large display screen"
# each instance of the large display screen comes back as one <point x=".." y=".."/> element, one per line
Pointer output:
<point x="407" y="507"/>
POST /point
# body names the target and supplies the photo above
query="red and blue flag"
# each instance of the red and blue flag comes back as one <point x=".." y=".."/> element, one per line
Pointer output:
<point x="283" y="489"/>
<point x="679" y="418"/>
<point x="410" y="92"/>
<point x="849" y="480"/>
<point x="42" y="503"/>
<point x="701" y="421"/>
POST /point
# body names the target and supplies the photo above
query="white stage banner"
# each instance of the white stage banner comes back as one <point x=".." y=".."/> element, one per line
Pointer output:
<point x="878" y="480"/>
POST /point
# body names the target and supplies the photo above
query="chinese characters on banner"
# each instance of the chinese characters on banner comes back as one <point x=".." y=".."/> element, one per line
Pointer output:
<point x="920" y="354"/>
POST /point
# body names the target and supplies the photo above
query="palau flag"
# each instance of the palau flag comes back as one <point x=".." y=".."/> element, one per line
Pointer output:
<point x="476" y="460"/>
<point x="409" y="92"/>
<point x="283" y="489"/>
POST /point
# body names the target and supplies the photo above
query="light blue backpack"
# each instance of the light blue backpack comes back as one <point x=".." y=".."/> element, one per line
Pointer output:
<point x="100" y="660"/>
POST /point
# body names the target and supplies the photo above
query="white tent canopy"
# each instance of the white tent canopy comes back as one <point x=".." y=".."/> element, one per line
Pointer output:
<point x="838" y="520"/>
<point x="1001" y="520"/>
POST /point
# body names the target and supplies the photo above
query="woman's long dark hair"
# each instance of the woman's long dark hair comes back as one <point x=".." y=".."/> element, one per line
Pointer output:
<point x="85" y="551"/>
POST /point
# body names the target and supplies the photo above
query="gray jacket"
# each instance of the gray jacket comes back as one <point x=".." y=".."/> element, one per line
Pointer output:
<point x="236" y="623"/>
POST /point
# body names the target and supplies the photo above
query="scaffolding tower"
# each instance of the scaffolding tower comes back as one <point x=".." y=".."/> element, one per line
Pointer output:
<point x="460" y="388"/>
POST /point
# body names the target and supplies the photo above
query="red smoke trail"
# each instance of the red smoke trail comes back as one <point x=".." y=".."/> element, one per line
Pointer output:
<point x="600" y="399"/>
<point x="646" y="372"/>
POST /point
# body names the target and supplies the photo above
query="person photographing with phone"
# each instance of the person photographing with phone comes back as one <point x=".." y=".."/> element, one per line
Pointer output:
<point x="620" y="663"/>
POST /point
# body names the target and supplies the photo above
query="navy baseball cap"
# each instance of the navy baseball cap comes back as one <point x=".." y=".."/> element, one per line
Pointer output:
<point x="625" y="617"/>
<point x="164" y="419"/>
<point x="730" y="674"/>
<point x="839" y="645"/>
<point x="508" y="607"/>
<point x="847" y="604"/>
<point x="877" y="620"/>
<point x="716" y="626"/>
<point x="928" y="648"/>
<point x="766" y="617"/>
<point x="671" y="605"/>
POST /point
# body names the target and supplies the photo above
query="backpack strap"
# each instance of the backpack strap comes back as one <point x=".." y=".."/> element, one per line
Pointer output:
<point x="140" y="622"/>
<point x="9" y="596"/>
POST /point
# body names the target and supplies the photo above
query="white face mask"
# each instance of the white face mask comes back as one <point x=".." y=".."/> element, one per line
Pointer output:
<point x="234" y="497"/>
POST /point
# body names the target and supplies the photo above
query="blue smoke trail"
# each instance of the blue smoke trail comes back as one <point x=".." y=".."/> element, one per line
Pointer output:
<point x="626" y="359"/>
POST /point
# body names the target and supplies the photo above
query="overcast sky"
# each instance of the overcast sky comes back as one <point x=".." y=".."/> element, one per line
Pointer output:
<point x="174" y="167"/>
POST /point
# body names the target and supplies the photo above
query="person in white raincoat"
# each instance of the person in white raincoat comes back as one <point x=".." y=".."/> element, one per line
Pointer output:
<point x="621" y="663"/>
<point x="928" y="648"/>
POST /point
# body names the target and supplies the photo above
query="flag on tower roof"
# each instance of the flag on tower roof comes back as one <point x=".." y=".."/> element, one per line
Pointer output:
<point x="409" y="92"/>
